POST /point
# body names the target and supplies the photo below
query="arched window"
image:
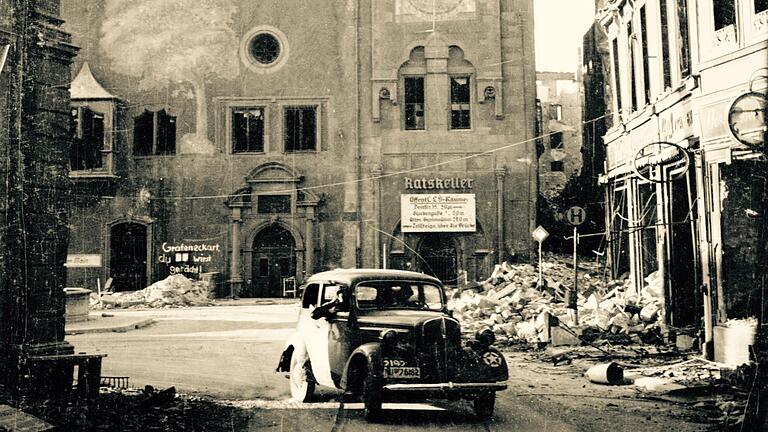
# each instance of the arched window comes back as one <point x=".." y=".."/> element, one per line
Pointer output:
<point x="412" y="75"/>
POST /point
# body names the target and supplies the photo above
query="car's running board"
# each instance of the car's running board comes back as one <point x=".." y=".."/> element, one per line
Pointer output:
<point x="447" y="386"/>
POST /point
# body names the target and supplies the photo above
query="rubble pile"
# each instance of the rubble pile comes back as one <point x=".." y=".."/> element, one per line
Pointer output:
<point x="517" y="306"/>
<point x="174" y="291"/>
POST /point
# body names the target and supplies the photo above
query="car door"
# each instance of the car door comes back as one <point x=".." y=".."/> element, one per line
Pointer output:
<point x="339" y="335"/>
<point x="315" y="334"/>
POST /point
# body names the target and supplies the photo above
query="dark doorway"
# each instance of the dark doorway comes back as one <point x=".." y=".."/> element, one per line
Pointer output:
<point x="128" y="256"/>
<point x="684" y="272"/>
<point x="274" y="260"/>
<point x="438" y="257"/>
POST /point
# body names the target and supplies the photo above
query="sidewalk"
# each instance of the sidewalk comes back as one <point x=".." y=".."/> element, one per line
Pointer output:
<point x="104" y="322"/>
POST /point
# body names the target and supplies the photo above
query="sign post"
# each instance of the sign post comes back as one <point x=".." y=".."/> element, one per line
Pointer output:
<point x="575" y="216"/>
<point x="540" y="234"/>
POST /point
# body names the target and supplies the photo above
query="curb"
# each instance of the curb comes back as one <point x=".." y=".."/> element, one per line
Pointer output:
<point x="114" y="329"/>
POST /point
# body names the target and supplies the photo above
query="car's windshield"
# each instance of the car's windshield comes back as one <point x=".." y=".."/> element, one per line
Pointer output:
<point x="398" y="295"/>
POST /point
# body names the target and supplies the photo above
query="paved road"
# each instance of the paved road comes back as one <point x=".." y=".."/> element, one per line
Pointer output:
<point x="230" y="353"/>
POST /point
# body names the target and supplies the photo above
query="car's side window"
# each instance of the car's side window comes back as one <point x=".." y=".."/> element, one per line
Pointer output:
<point x="329" y="292"/>
<point x="311" y="294"/>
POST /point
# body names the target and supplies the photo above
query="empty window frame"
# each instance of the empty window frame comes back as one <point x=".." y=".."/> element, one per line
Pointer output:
<point x="644" y="42"/>
<point x="273" y="204"/>
<point x="617" y="74"/>
<point x="87" y="139"/>
<point x="460" y="108"/>
<point x="683" y="48"/>
<point x="761" y="6"/>
<point x="632" y="36"/>
<point x="556" y="140"/>
<point x="414" y="103"/>
<point x="724" y="12"/>
<point x="248" y="130"/>
<point x="557" y="166"/>
<point x="665" y="43"/>
<point x="556" y="112"/>
<point x="300" y="128"/>
<point x="154" y="133"/>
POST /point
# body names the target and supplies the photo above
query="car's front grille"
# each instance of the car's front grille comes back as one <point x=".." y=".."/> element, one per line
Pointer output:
<point x="439" y="339"/>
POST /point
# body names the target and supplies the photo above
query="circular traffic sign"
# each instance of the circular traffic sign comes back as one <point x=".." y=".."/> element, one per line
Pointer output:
<point x="575" y="215"/>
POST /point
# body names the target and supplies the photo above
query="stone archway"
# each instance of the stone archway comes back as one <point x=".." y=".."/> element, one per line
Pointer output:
<point x="273" y="258"/>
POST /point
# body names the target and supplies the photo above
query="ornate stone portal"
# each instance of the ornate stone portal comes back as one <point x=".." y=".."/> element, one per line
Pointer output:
<point x="272" y="208"/>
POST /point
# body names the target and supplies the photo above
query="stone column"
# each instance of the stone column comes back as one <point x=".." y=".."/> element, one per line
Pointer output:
<point x="235" y="268"/>
<point x="436" y="85"/>
<point x="309" y="253"/>
<point x="500" y="174"/>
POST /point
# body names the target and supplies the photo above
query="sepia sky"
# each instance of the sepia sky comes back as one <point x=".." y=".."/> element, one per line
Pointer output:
<point x="559" y="28"/>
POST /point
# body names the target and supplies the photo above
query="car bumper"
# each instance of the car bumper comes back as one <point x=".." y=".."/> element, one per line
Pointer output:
<point x="447" y="387"/>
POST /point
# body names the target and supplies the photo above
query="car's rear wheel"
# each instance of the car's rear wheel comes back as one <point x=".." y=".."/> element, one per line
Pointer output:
<point x="372" y="398"/>
<point x="302" y="381"/>
<point x="484" y="405"/>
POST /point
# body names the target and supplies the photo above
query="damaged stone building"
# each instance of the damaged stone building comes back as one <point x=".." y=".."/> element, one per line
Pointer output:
<point x="685" y="167"/>
<point x="35" y="56"/>
<point x="266" y="141"/>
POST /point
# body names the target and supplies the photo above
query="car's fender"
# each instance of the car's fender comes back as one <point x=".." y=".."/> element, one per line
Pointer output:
<point x="293" y="345"/>
<point x="368" y="355"/>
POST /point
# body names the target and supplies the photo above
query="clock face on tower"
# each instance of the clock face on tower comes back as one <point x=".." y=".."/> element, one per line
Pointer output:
<point x="436" y="9"/>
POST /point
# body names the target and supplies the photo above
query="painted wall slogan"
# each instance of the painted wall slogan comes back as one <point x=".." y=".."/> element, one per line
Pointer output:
<point x="437" y="212"/>
<point x="188" y="258"/>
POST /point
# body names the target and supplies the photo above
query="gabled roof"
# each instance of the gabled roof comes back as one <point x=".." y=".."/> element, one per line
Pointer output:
<point x="85" y="86"/>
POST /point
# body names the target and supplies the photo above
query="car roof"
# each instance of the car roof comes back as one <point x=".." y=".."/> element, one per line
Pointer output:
<point x="354" y="275"/>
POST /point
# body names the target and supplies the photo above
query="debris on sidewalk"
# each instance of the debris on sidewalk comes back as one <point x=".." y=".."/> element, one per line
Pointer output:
<point x="606" y="373"/>
<point x="515" y="304"/>
<point x="173" y="291"/>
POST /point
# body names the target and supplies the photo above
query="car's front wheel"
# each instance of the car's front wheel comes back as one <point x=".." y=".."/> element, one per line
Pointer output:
<point x="302" y="381"/>
<point x="484" y="405"/>
<point x="371" y="398"/>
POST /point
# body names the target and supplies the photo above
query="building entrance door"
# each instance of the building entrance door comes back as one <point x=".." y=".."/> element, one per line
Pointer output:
<point x="439" y="257"/>
<point x="128" y="256"/>
<point x="274" y="259"/>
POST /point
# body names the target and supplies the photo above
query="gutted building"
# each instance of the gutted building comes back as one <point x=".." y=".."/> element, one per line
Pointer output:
<point x="686" y="155"/>
<point x="266" y="141"/>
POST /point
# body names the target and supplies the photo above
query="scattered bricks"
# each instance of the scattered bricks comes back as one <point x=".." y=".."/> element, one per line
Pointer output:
<point x="560" y="336"/>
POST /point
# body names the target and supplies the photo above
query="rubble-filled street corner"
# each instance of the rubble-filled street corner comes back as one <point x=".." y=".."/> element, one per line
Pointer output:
<point x="329" y="215"/>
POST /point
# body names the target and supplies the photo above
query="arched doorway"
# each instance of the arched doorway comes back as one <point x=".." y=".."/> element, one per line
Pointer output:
<point x="128" y="256"/>
<point x="439" y="257"/>
<point x="274" y="258"/>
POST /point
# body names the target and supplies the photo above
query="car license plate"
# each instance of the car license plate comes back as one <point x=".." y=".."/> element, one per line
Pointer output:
<point x="402" y="372"/>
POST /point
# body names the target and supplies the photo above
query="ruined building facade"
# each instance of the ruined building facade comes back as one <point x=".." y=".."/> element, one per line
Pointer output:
<point x="266" y="141"/>
<point x="685" y="167"/>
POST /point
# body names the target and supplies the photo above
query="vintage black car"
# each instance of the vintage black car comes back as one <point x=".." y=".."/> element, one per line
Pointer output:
<point x="387" y="335"/>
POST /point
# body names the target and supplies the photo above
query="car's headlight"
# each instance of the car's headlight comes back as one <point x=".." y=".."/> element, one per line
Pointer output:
<point x="485" y="337"/>
<point x="388" y="337"/>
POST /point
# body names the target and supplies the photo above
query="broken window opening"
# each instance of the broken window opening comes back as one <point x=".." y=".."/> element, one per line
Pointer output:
<point x="87" y="139"/>
<point x="154" y="133"/>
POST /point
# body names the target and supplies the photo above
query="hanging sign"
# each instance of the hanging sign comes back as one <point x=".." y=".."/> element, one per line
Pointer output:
<point x="437" y="212"/>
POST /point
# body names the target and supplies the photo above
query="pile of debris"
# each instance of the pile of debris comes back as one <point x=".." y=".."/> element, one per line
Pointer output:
<point x="518" y="307"/>
<point x="174" y="291"/>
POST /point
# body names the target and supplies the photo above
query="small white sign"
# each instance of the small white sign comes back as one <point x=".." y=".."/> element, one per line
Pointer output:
<point x="437" y="212"/>
<point x="83" y="260"/>
<point x="540" y="234"/>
